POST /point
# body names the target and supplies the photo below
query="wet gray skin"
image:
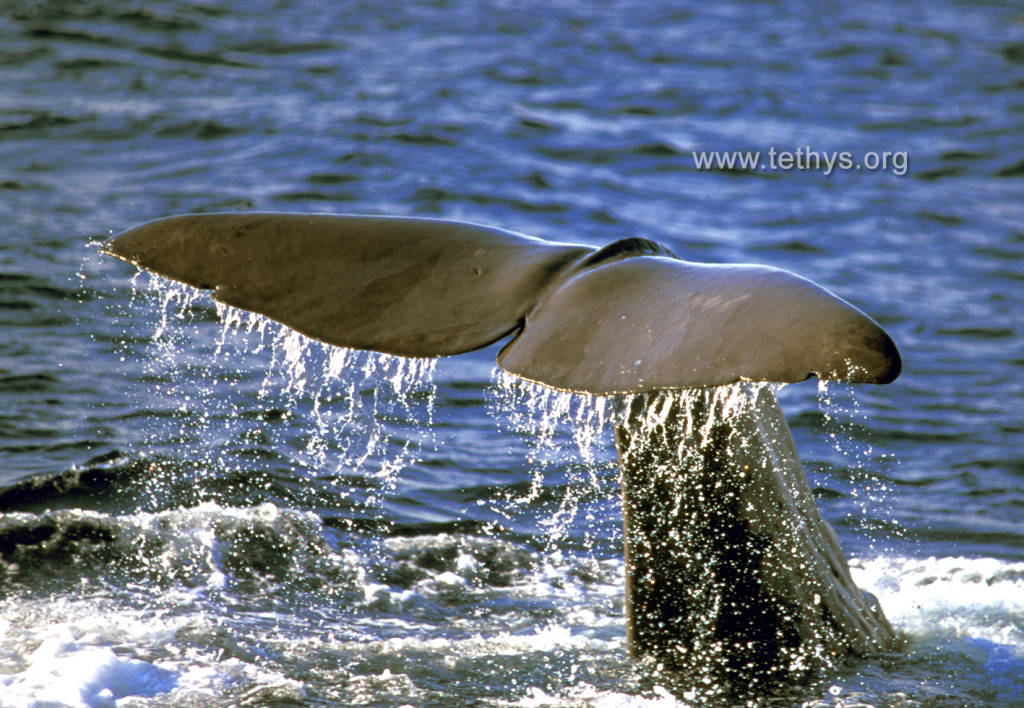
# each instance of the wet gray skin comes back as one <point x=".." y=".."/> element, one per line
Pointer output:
<point x="627" y="318"/>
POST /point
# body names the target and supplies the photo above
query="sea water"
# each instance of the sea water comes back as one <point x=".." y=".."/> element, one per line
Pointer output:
<point x="200" y="514"/>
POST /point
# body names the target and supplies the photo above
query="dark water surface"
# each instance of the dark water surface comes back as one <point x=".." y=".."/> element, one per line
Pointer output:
<point x="193" y="515"/>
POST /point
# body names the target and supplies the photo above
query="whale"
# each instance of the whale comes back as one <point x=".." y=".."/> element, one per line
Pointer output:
<point x="729" y="565"/>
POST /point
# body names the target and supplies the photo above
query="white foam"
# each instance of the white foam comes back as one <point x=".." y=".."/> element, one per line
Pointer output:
<point x="69" y="671"/>
<point x="980" y="598"/>
<point x="96" y="651"/>
<point x="585" y="694"/>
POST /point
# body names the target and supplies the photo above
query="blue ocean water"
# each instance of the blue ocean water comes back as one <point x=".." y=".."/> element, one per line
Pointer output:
<point x="195" y="514"/>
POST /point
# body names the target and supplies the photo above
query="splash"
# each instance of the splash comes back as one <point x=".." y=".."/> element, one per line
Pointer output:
<point x="228" y="382"/>
<point x="858" y="463"/>
<point x="722" y="404"/>
<point x="368" y="415"/>
<point x="570" y="434"/>
<point x="565" y="434"/>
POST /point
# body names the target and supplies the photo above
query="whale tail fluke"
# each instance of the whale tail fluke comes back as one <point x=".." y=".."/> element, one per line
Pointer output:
<point x="628" y="317"/>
